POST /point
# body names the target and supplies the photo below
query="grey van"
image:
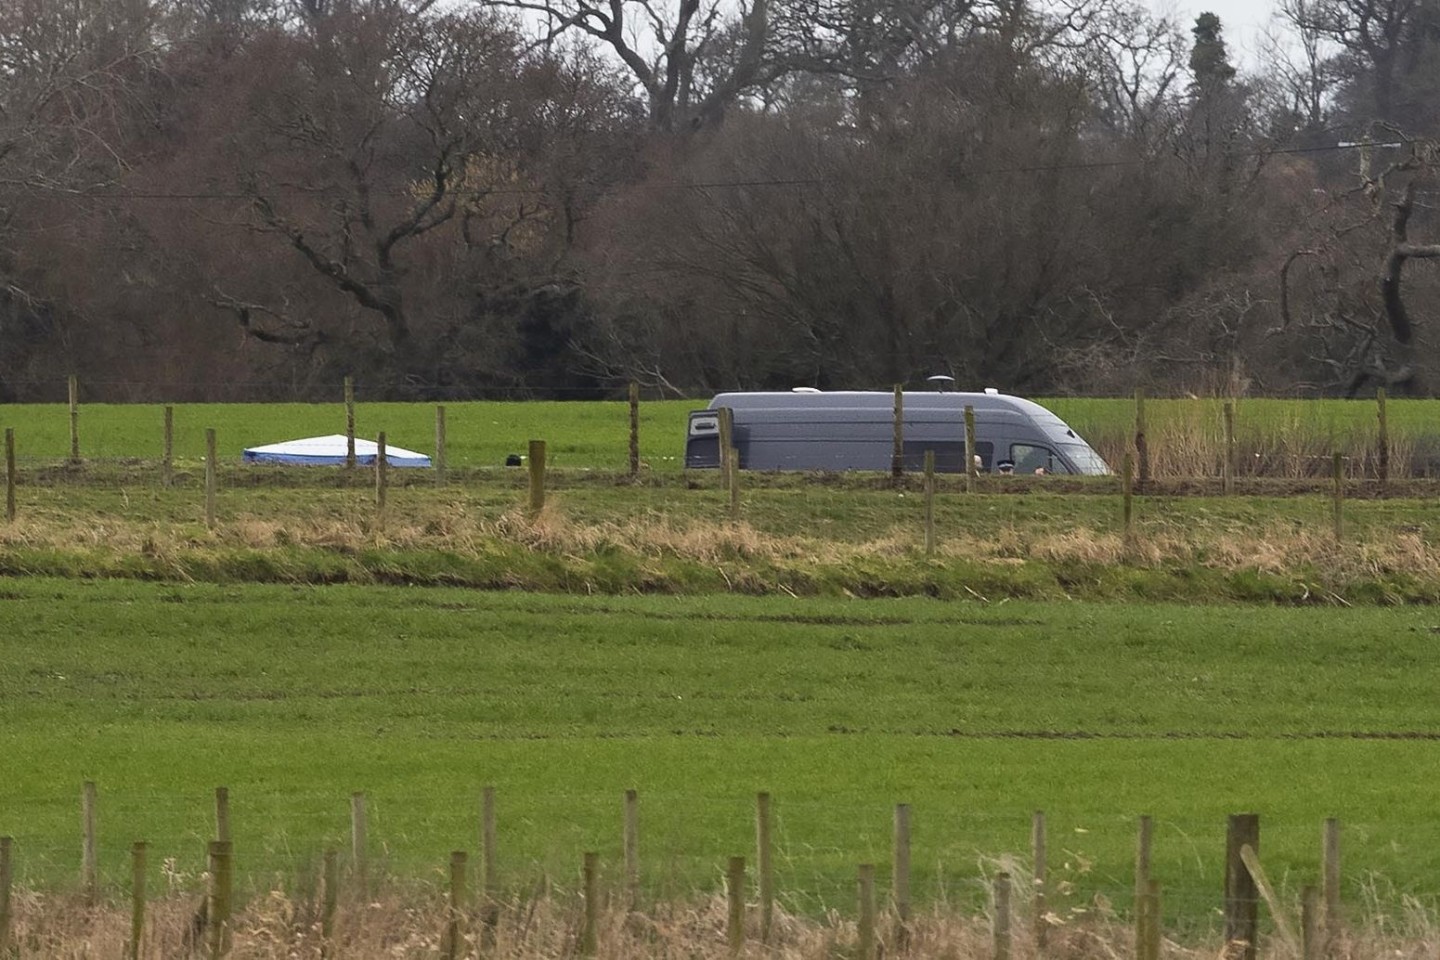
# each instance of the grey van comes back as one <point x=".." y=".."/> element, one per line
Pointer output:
<point x="855" y="430"/>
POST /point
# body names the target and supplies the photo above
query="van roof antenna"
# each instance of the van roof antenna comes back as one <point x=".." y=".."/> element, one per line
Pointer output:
<point x="941" y="382"/>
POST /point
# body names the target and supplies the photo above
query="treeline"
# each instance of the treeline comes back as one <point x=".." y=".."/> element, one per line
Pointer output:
<point x="246" y="199"/>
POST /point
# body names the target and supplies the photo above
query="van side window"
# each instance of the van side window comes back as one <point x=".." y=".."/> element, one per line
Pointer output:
<point x="949" y="455"/>
<point x="1029" y="458"/>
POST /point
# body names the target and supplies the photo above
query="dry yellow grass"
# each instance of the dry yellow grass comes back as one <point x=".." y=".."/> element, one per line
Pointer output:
<point x="405" y="926"/>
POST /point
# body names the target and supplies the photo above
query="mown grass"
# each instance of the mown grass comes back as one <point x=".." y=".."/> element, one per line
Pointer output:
<point x="974" y="713"/>
<point x="1274" y="437"/>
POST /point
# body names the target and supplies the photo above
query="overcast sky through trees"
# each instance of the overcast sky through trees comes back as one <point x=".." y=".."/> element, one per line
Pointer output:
<point x="1242" y="19"/>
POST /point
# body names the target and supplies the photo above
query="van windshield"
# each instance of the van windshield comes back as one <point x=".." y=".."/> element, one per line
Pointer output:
<point x="1086" y="461"/>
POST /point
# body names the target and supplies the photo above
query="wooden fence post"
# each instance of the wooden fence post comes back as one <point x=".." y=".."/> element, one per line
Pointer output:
<point x="489" y="867"/>
<point x="221" y="890"/>
<point x="350" y="422"/>
<point x="735" y="903"/>
<point x="1383" y="453"/>
<point x="137" y="901"/>
<point x="439" y="443"/>
<point x="634" y="430"/>
<point x="222" y="813"/>
<point x="900" y="876"/>
<point x="632" y="849"/>
<point x="455" y="908"/>
<point x="589" y="932"/>
<point x="1142" y="442"/>
<point x="897" y="456"/>
<point x="1337" y="495"/>
<point x="7" y="879"/>
<point x="1040" y="866"/>
<point x="382" y="471"/>
<point x="210" y="479"/>
<point x="1309" y="923"/>
<point x="1002" y="916"/>
<point x="970" y="470"/>
<point x="929" y="503"/>
<point x="328" y="905"/>
<point x="1153" y="926"/>
<point x="1227" y="465"/>
<point x="537" y="476"/>
<point x="90" y="857"/>
<point x="734" y="474"/>
<point x="1242" y="896"/>
<point x="359" y="845"/>
<point x="10" y="477"/>
<point x="765" y="864"/>
<point x="725" y="418"/>
<point x="1330" y="878"/>
<point x="167" y="450"/>
<point x="865" y="890"/>
<point x="1127" y="493"/>
<point x="1142" y="877"/>
<point x="74" y="385"/>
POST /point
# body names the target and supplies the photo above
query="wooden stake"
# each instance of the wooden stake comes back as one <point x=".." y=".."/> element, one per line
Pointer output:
<point x="537" y="476"/>
<point x="735" y="903"/>
<point x="350" y="422"/>
<point x="1127" y="493"/>
<point x="137" y="901"/>
<point x="1383" y="453"/>
<point x="455" y="908"/>
<point x="634" y="430"/>
<point x="1309" y="923"/>
<point x="10" y="474"/>
<point x="74" y="384"/>
<point x="929" y="503"/>
<point x="1330" y="877"/>
<point x="489" y="865"/>
<point x="90" y="857"/>
<point x="382" y="471"/>
<point x="725" y="418"/>
<point x="588" y="933"/>
<point x="970" y="470"/>
<point x="1262" y="883"/>
<point x="221" y="890"/>
<point x="1040" y="866"/>
<point x="900" y="876"/>
<point x="439" y="444"/>
<point x="1227" y="466"/>
<point x="359" y="844"/>
<point x="1142" y="878"/>
<point x="865" y="889"/>
<point x="1154" y="925"/>
<point x="167" y="453"/>
<point x="1142" y="443"/>
<point x="765" y="863"/>
<point x="897" y="456"/>
<point x="327" y="909"/>
<point x="222" y="813"/>
<point x="734" y="473"/>
<point x="632" y="848"/>
<point x="1337" y="496"/>
<point x="1002" y="916"/>
<point x="1242" y="896"/>
<point x="210" y="468"/>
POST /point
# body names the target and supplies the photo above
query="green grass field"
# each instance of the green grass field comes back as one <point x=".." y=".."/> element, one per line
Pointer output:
<point x="974" y="713"/>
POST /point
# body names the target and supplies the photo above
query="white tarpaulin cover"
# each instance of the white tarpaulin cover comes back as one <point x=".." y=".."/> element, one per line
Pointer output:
<point x="330" y="451"/>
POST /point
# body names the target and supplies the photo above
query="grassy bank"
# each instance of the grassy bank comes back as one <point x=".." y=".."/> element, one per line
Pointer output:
<point x="1041" y="538"/>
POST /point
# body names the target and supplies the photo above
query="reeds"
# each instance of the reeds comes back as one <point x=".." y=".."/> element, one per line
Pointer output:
<point x="397" y="926"/>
